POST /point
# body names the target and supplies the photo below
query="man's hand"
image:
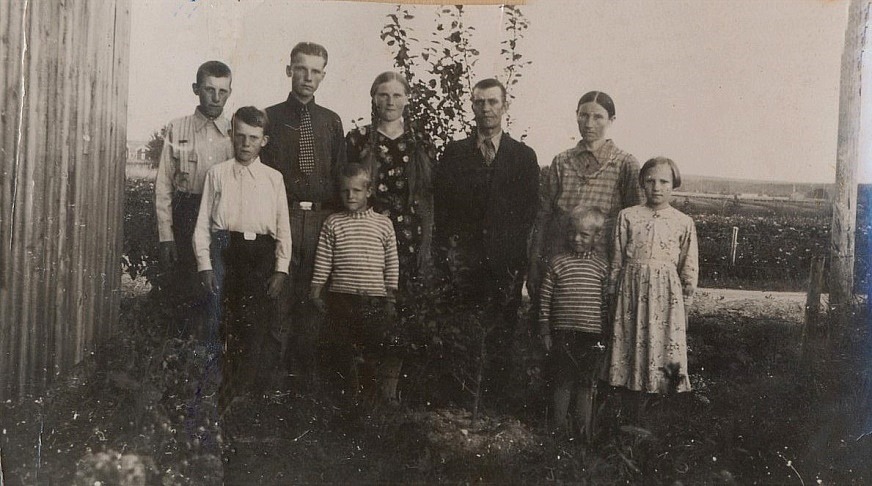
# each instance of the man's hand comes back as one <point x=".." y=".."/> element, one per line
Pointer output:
<point x="168" y="254"/>
<point x="210" y="283"/>
<point x="274" y="284"/>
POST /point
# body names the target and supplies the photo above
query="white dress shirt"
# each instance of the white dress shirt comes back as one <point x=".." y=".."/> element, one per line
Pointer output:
<point x="245" y="199"/>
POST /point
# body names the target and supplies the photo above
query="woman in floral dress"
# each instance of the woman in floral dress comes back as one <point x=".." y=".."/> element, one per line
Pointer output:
<point x="399" y="160"/>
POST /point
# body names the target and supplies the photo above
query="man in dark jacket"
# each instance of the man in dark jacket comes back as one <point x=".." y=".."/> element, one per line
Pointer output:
<point x="485" y="199"/>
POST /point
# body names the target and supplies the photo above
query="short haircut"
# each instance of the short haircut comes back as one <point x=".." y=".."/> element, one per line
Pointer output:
<point x="585" y="215"/>
<point x="651" y="163"/>
<point x="253" y="116"/>
<point x="599" y="98"/>
<point x="310" y="49"/>
<point x="352" y="170"/>
<point x="216" y="69"/>
<point x="490" y="83"/>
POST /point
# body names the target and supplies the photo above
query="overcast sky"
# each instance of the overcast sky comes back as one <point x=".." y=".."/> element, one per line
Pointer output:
<point x="744" y="88"/>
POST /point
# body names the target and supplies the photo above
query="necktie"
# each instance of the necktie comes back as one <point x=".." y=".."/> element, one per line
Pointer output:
<point x="488" y="151"/>
<point x="307" y="142"/>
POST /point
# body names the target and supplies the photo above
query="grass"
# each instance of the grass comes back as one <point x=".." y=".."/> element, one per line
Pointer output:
<point x="757" y="414"/>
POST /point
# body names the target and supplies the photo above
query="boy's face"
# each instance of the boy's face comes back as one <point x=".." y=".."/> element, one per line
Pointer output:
<point x="213" y="93"/>
<point x="355" y="192"/>
<point x="247" y="141"/>
<point x="306" y="72"/>
<point x="582" y="236"/>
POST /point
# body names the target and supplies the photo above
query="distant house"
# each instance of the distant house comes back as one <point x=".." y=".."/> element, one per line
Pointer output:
<point x="136" y="151"/>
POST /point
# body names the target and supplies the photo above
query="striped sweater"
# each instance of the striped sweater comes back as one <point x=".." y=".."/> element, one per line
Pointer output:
<point x="357" y="251"/>
<point x="572" y="293"/>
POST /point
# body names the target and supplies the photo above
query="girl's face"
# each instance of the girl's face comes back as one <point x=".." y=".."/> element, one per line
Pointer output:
<point x="390" y="100"/>
<point x="593" y="121"/>
<point x="657" y="184"/>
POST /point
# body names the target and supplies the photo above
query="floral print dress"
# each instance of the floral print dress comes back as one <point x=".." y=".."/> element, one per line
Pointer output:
<point x="391" y="192"/>
<point x="655" y="260"/>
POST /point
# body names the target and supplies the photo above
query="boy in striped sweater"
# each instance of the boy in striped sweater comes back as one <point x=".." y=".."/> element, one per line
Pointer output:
<point x="357" y="254"/>
<point x="571" y="317"/>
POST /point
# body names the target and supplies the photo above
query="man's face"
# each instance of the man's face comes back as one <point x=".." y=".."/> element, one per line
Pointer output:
<point x="213" y="93"/>
<point x="355" y="192"/>
<point x="489" y="107"/>
<point x="247" y="141"/>
<point x="306" y="72"/>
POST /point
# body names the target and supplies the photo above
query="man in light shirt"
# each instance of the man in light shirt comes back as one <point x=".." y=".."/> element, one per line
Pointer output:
<point x="192" y="145"/>
<point x="243" y="248"/>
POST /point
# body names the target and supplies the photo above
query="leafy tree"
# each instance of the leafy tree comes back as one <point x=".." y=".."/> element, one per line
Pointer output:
<point x="447" y="335"/>
<point x="154" y="146"/>
<point x="439" y="69"/>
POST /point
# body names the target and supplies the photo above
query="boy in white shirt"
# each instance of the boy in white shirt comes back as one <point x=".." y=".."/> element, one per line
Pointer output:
<point x="242" y="242"/>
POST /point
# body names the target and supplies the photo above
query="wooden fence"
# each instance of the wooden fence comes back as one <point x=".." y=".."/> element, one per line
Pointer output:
<point x="63" y="133"/>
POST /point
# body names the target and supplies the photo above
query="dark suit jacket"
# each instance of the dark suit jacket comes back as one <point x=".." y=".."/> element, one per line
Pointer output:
<point x="487" y="209"/>
<point x="282" y="151"/>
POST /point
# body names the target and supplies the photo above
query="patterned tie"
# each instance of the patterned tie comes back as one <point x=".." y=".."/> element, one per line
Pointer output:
<point x="307" y="142"/>
<point x="488" y="151"/>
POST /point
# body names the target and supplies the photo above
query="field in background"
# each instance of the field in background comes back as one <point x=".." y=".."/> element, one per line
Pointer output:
<point x="777" y="238"/>
<point x="776" y="242"/>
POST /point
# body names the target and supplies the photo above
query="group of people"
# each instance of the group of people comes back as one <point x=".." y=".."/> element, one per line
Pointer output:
<point x="295" y="245"/>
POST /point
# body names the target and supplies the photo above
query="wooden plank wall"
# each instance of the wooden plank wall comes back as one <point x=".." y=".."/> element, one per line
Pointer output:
<point x="63" y="117"/>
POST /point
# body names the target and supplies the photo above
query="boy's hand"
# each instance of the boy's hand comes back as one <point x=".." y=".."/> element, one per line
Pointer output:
<point x="390" y="310"/>
<point x="319" y="304"/>
<point x="167" y="253"/>
<point x="274" y="284"/>
<point x="546" y="341"/>
<point x="317" y="301"/>
<point x="209" y="281"/>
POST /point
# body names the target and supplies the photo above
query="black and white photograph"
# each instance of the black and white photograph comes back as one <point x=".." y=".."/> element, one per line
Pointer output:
<point x="357" y="242"/>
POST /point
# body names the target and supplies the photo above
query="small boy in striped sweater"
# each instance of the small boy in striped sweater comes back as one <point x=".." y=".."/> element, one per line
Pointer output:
<point x="572" y="315"/>
<point x="357" y="254"/>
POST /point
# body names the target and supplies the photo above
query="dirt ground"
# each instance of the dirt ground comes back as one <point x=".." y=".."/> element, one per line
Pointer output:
<point x="758" y="414"/>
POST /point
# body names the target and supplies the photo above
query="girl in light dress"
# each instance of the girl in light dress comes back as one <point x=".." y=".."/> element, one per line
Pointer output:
<point x="653" y="276"/>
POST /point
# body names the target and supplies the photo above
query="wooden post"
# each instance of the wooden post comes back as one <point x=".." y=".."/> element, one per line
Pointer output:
<point x="812" y="304"/>
<point x="841" y="281"/>
<point x="815" y="283"/>
<point x="734" y="243"/>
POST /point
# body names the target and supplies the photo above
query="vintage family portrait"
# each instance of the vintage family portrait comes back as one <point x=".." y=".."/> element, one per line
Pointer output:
<point x="340" y="242"/>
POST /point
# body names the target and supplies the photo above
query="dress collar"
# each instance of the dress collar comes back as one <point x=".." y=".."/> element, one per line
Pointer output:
<point x="603" y="154"/>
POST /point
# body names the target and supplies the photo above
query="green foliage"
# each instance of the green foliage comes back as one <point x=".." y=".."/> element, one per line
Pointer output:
<point x="154" y="146"/>
<point x="440" y="69"/>
<point x="140" y="247"/>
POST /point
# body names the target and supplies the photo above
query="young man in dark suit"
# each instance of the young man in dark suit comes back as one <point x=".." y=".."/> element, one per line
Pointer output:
<point x="486" y="193"/>
<point x="307" y="145"/>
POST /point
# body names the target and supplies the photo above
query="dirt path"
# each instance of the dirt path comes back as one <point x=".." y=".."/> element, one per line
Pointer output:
<point x="788" y="306"/>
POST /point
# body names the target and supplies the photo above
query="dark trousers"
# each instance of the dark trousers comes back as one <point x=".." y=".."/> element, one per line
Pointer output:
<point x="296" y="333"/>
<point x="182" y="290"/>
<point x="247" y="311"/>
<point x="356" y="353"/>
<point x="495" y="290"/>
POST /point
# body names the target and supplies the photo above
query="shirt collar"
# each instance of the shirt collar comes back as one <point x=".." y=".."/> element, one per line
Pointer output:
<point x="602" y="154"/>
<point x="296" y="105"/>
<point x="496" y="138"/>
<point x="252" y="168"/>
<point x="361" y="214"/>
<point x="201" y="120"/>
